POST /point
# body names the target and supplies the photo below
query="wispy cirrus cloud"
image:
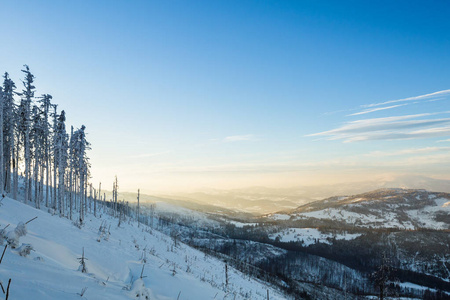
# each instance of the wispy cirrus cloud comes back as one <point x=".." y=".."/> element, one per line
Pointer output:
<point x="415" y="98"/>
<point x="417" y="134"/>
<point x="374" y="107"/>
<point x="379" y="124"/>
<point x="367" y="111"/>
<point x="410" y="126"/>
<point x="389" y="128"/>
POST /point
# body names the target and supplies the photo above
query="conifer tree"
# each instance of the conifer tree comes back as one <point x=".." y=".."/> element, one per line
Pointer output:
<point x="115" y="192"/>
<point x="55" y="171"/>
<point x="9" y="126"/>
<point x="27" y="96"/>
<point x="2" y="100"/>
<point x="45" y="105"/>
<point x="36" y="143"/>
<point x="41" y="149"/>
<point x="81" y="165"/>
<point x="60" y="150"/>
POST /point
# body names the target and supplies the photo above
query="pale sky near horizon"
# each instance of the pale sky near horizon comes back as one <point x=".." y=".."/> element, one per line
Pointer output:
<point x="183" y="95"/>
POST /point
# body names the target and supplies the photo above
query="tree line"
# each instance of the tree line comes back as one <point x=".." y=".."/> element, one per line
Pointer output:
<point x="36" y="150"/>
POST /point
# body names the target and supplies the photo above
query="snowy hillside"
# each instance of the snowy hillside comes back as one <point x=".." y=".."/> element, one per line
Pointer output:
<point x="115" y="260"/>
<point x="386" y="208"/>
<point x="308" y="236"/>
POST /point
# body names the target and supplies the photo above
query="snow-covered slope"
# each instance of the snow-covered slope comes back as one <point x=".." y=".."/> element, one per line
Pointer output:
<point x="308" y="236"/>
<point x="385" y="208"/>
<point x="115" y="262"/>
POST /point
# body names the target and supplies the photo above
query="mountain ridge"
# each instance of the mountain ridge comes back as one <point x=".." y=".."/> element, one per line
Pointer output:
<point x="392" y="207"/>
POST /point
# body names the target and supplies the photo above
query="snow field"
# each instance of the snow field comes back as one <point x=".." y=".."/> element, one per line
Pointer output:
<point x="309" y="236"/>
<point x="114" y="263"/>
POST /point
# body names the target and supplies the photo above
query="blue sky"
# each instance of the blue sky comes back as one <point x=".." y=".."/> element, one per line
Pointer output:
<point x="180" y="95"/>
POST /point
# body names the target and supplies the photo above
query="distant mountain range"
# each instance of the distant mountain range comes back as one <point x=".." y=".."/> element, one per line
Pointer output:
<point x="262" y="200"/>
<point x="384" y="208"/>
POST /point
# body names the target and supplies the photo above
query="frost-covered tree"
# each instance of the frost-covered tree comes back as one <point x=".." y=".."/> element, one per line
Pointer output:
<point x="9" y="127"/>
<point x="1" y="141"/>
<point x="37" y="145"/>
<point x="34" y="137"/>
<point x="60" y="151"/>
<point x="71" y="176"/>
<point x="55" y="171"/>
<point x="138" y="212"/>
<point x="45" y="105"/>
<point x="78" y="148"/>
<point x="25" y="105"/>
<point x="115" y="192"/>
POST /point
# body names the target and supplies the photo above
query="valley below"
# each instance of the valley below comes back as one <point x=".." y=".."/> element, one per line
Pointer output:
<point x="394" y="240"/>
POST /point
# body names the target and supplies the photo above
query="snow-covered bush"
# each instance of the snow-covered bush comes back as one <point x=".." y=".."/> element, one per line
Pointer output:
<point x="103" y="232"/>
<point x="78" y="223"/>
<point x="21" y="229"/>
<point x="13" y="236"/>
<point x="139" y="291"/>
<point x="25" y="249"/>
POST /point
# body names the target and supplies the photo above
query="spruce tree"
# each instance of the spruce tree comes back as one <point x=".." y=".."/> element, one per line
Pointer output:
<point x="9" y="126"/>
<point x="27" y="97"/>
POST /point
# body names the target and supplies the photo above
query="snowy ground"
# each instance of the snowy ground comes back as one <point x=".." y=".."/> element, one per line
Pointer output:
<point x="281" y="217"/>
<point x="388" y="219"/>
<point x="309" y="236"/>
<point x="239" y="224"/>
<point x="424" y="217"/>
<point x="114" y="264"/>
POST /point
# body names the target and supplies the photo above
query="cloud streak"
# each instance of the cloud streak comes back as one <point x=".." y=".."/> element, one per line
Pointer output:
<point x="379" y="124"/>
<point x="367" y="111"/>
<point x="418" y="134"/>
<point x="416" y="98"/>
<point x="374" y="107"/>
<point x="390" y="128"/>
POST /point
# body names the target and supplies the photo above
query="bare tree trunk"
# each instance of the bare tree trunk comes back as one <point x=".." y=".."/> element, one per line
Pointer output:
<point x="70" y="192"/>
<point x="81" y="197"/>
<point x="55" y="171"/>
<point x="61" y="187"/>
<point x="95" y="203"/>
<point x="138" y="208"/>
<point x="2" y="159"/>
<point x="15" y="171"/>
<point x="90" y="198"/>
<point x="41" y="186"/>
<point x="7" y="160"/>
<point x="50" y="187"/>
<point x="27" y="165"/>
<point x="114" y="198"/>
<point x="47" y="173"/>
<point x="85" y="197"/>
<point x="75" y="192"/>
<point x="36" y="173"/>
<point x="99" y="198"/>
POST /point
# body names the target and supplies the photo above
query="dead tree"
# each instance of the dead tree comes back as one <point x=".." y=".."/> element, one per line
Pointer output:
<point x="138" y="208"/>
<point x="82" y="261"/>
